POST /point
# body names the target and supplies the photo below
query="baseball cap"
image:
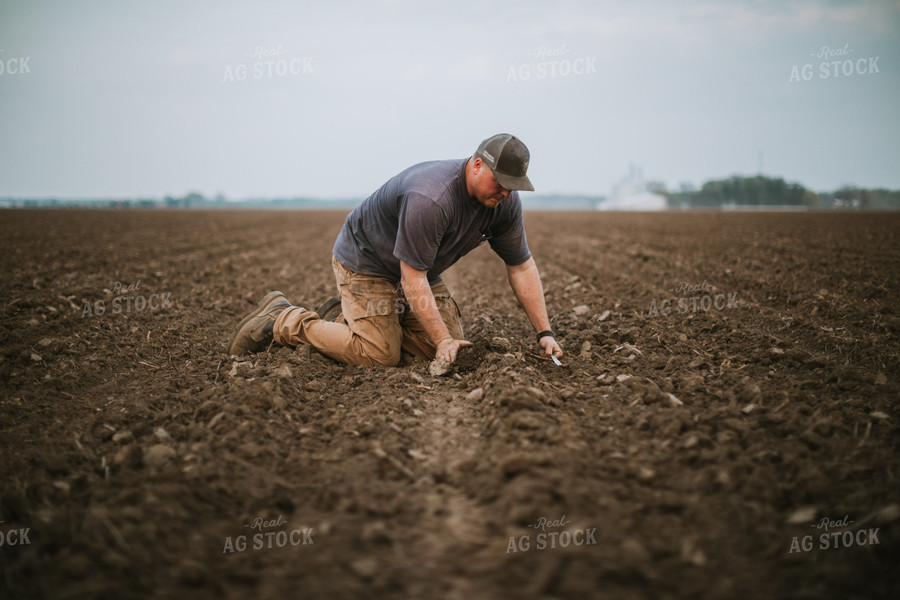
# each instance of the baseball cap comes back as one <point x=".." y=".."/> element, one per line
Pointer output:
<point x="507" y="157"/>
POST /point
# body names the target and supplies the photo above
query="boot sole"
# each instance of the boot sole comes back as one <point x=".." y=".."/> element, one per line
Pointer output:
<point x="330" y="309"/>
<point x="259" y="309"/>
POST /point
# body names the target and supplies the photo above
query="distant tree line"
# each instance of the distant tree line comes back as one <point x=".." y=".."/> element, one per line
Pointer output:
<point x="854" y="197"/>
<point x="769" y="191"/>
<point x="714" y="194"/>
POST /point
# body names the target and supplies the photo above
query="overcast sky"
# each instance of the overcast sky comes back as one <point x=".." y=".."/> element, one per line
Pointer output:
<point x="329" y="99"/>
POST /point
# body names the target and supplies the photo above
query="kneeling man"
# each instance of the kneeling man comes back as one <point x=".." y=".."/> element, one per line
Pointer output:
<point x="389" y="256"/>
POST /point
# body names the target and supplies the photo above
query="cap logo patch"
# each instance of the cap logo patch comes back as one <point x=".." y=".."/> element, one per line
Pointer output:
<point x="488" y="156"/>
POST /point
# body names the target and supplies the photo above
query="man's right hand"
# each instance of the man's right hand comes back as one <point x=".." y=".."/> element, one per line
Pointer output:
<point x="448" y="347"/>
<point x="421" y="300"/>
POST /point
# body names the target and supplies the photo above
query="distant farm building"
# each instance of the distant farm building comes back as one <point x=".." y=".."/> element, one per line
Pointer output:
<point x="631" y="194"/>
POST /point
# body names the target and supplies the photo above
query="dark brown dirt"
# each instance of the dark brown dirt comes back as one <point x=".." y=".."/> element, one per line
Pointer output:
<point x="136" y="454"/>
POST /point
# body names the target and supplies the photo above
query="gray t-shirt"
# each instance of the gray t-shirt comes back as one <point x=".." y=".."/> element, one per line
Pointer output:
<point x="425" y="217"/>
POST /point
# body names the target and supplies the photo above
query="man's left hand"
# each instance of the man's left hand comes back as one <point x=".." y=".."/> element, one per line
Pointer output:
<point x="549" y="347"/>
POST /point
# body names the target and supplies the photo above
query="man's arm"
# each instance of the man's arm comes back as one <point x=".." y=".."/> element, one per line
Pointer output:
<point x="421" y="299"/>
<point x="525" y="282"/>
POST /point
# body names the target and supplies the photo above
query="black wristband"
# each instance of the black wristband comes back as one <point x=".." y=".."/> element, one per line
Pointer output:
<point x="544" y="334"/>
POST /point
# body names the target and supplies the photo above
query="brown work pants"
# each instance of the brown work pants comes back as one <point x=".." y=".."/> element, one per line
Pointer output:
<point x="376" y="322"/>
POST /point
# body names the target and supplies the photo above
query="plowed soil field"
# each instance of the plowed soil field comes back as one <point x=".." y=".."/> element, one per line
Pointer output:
<point x="725" y="423"/>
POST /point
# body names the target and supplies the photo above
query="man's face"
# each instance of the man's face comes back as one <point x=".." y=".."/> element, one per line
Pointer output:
<point x="485" y="188"/>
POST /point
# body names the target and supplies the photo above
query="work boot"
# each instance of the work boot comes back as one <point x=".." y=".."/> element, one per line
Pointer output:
<point x="254" y="333"/>
<point x="330" y="309"/>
